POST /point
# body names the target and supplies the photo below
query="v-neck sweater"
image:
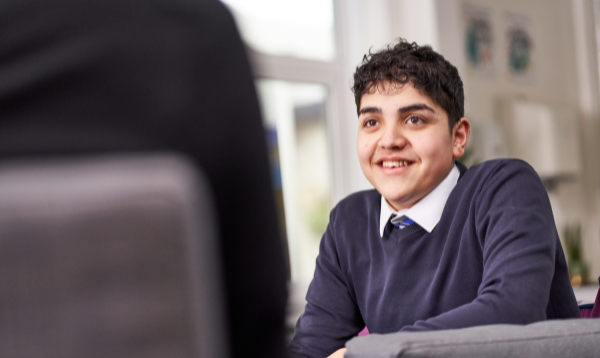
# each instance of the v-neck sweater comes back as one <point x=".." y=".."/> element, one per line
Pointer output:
<point x="494" y="257"/>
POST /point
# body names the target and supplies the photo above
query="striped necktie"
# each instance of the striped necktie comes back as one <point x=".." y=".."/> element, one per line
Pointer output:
<point x="401" y="221"/>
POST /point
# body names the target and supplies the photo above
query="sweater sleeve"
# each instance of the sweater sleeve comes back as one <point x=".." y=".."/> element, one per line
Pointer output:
<point x="331" y="316"/>
<point x="515" y="227"/>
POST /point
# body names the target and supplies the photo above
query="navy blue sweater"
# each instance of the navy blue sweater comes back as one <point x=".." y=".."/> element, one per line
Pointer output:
<point x="494" y="257"/>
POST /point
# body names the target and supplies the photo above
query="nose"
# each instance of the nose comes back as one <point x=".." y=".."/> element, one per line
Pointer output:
<point x="392" y="138"/>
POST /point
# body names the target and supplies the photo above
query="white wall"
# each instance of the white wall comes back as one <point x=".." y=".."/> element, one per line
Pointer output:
<point x="565" y="73"/>
<point x="586" y="49"/>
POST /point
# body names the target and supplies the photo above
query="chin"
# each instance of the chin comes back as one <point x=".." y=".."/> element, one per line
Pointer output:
<point x="393" y="197"/>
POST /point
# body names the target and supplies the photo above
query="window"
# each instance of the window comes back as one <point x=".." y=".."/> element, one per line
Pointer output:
<point x="294" y="48"/>
<point x="296" y="28"/>
<point x="294" y="116"/>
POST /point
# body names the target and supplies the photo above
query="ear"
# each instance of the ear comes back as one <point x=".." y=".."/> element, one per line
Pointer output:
<point x="460" y="137"/>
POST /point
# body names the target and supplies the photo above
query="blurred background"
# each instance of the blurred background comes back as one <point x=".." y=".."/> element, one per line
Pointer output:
<point x="531" y="75"/>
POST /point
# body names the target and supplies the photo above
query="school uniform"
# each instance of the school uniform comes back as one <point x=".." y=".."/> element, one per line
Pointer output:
<point x="482" y="248"/>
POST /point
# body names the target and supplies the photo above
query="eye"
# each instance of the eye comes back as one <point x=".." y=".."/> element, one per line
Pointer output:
<point x="370" y="123"/>
<point x="415" y="120"/>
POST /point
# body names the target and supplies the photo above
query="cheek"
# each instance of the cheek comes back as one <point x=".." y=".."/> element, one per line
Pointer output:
<point x="363" y="149"/>
<point x="437" y="148"/>
<point x="364" y="157"/>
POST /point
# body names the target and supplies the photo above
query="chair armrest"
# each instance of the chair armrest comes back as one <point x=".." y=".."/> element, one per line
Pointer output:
<point x="548" y="339"/>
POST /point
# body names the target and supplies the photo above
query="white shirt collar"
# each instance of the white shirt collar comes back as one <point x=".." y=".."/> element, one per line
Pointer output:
<point x="427" y="212"/>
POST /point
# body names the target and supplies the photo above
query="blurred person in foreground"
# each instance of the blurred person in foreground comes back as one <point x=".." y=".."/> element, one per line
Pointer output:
<point x="435" y="245"/>
<point x="127" y="76"/>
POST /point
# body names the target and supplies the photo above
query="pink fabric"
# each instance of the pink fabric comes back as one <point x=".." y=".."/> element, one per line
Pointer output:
<point x="364" y="332"/>
<point x="586" y="312"/>
<point x="593" y="312"/>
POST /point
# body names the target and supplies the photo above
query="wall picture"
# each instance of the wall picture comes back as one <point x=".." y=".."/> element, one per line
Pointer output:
<point x="479" y="39"/>
<point x="519" y="46"/>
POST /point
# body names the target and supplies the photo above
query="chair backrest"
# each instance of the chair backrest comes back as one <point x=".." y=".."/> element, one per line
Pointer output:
<point x="108" y="257"/>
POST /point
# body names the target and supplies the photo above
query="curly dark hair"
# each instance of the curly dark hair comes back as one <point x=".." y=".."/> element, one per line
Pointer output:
<point x="426" y="69"/>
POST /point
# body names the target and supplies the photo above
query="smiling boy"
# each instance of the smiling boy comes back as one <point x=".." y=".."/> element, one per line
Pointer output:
<point x="434" y="246"/>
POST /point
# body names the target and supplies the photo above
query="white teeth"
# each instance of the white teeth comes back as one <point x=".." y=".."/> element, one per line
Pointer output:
<point x="395" y="163"/>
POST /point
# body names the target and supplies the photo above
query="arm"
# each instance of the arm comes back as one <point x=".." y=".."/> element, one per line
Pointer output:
<point x="331" y="316"/>
<point x="515" y="227"/>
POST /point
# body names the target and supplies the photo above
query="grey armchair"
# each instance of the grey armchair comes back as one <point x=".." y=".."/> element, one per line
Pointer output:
<point x="549" y="339"/>
<point x="109" y="257"/>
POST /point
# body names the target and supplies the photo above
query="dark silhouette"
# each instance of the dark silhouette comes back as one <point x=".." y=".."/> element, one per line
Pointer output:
<point x="128" y="76"/>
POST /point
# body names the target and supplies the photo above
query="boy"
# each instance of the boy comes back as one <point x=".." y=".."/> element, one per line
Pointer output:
<point x="434" y="246"/>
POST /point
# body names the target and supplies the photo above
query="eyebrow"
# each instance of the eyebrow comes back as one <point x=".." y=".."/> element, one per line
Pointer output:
<point x="412" y="107"/>
<point x="416" y="107"/>
<point x="369" y="110"/>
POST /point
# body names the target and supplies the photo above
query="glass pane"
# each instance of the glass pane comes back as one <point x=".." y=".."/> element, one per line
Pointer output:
<point x="297" y="28"/>
<point x="294" y="118"/>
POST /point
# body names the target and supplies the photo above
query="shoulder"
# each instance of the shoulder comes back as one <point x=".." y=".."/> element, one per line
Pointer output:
<point x="501" y="170"/>
<point x="359" y="201"/>
<point x="502" y="164"/>
<point x="356" y="211"/>
<point x="512" y="180"/>
<point x="508" y="182"/>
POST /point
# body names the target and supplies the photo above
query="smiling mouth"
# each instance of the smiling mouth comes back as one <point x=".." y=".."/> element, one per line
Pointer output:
<point x="395" y="163"/>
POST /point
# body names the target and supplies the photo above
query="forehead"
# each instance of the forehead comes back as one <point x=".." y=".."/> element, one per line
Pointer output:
<point x="397" y="93"/>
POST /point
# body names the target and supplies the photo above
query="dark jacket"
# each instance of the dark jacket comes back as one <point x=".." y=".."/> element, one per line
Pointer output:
<point x="113" y="76"/>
